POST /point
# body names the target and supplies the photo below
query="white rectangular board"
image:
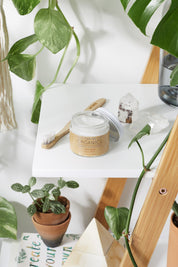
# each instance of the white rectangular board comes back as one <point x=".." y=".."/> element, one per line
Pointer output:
<point x="62" y="101"/>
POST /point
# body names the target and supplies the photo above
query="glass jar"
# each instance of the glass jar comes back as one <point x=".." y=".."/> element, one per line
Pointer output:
<point x="89" y="134"/>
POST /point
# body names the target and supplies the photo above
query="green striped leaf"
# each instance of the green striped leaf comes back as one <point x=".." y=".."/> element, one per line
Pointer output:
<point x="8" y="220"/>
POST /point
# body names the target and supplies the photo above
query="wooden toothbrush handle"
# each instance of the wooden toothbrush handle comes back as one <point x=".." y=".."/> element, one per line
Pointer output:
<point x="57" y="137"/>
<point x="96" y="104"/>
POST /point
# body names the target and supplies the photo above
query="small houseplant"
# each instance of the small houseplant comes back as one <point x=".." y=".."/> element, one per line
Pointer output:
<point x="49" y="210"/>
<point x="119" y="219"/>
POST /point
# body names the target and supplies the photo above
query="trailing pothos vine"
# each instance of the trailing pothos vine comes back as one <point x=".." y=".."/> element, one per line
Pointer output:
<point x="119" y="219"/>
<point x="51" y="30"/>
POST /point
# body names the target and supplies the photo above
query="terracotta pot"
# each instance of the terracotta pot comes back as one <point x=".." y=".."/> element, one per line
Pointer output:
<point x="52" y="235"/>
<point x="52" y="218"/>
<point x="172" y="256"/>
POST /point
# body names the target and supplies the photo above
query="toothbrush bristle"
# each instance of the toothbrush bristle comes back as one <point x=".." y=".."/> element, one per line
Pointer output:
<point x="48" y="138"/>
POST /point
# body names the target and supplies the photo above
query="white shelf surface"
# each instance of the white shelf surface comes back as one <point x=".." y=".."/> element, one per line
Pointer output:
<point x="62" y="101"/>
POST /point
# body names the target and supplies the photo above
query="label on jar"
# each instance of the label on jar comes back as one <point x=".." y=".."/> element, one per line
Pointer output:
<point x="89" y="145"/>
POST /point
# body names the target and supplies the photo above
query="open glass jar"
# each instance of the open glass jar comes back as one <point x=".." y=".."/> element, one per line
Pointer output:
<point x="89" y="134"/>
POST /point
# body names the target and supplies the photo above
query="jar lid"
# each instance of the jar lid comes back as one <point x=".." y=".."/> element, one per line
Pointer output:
<point x="87" y="123"/>
<point x="114" y="123"/>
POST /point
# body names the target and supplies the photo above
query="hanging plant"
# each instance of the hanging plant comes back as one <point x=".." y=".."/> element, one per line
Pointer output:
<point x="51" y="30"/>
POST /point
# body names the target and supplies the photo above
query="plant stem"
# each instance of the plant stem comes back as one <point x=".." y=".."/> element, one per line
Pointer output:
<point x="34" y="200"/>
<point x="59" y="66"/>
<point x="39" y="51"/>
<point x="77" y="56"/>
<point x="135" y="193"/>
<point x="141" y="150"/>
<point x="52" y="4"/>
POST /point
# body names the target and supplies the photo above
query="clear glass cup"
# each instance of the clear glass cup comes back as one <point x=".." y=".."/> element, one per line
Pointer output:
<point x="167" y="93"/>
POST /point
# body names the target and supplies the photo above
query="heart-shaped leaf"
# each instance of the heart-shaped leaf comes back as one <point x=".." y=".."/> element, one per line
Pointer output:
<point x="48" y="187"/>
<point x="22" y="65"/>
<point x="72" y="184"/>
<point x="32" y="181"/>
<point x="22" y="44"/>
<point x="52" y="29"/>
<point x="25" y="6"/>
<point x="17" y="187"/>
<point x="57" y="208"/>
<point x="116" y="219"/>
<point x="37" y="193"/>
<point x="61" y="183"/>
<point x="31" y="209"/>
<point x="144" y="131"/>
<point x="8" y="220"/>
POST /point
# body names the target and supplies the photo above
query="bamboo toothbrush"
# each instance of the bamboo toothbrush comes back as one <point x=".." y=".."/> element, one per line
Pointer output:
<point x="50" y="140"/>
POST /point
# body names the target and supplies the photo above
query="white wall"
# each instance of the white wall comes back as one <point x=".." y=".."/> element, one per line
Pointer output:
<point x="112" y="51"/>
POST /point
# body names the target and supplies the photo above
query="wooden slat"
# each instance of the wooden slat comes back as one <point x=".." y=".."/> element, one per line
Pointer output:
<point x="151" y="74"/>
<point x="157" y="205"/>
<point x="110" y="197"/>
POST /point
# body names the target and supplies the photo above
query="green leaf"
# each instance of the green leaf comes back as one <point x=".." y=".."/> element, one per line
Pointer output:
<point x="125" y="3"/>
<point x="48" y="187"/>
<point x="175" y="208"/>
<point x="166" y="33"/>
<point x="32" y="181"/>
<point x="22" y="65"/>
<point x="56" y="207"/>
<point x="116" y="219"/>
<point x="46" y="205"/>
<point x="31" y="209"/>
<point x="37" y="193"/>
<point x="144" y="131"/>
<point x="72" y="184"/>
<point x="142" y="11"/>
<point x="56" y="192"/>
<point x="25" y="6"/>
<point x="17" y="187"/>
<point x="37" y="102"/>
<point x="61" y="183"/>
<point x="52" y="29"/>
<point x="8" y="220"/>
<point x="174" y="77"/>
<point x="26" y="189"/>
<point x="22" y="44"/>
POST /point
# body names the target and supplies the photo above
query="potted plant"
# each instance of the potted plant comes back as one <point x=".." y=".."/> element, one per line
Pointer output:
<point x="49" y="210"/>
<point x="173" y="238"/>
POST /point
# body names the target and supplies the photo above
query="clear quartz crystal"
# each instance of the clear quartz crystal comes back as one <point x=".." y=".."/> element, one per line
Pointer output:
<point x="157" y="123"/>
<point x="128" y="108"/>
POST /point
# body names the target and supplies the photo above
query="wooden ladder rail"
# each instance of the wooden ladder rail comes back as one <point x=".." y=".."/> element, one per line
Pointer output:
<point x="114" y="186"/>
<point x="157" y="205"/>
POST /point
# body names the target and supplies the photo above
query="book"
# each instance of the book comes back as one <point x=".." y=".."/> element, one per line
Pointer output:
<point x="30" y="251"/>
